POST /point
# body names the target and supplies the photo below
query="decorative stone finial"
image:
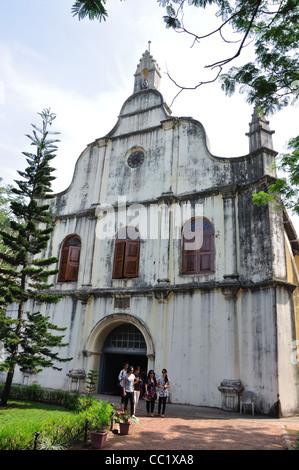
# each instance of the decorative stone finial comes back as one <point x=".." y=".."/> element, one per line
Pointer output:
<point x="259" y="133"/>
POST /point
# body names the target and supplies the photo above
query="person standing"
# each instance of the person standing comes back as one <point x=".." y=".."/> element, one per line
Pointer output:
<point x="128" y="389"/>
<point x="142" y="385"/>
<point x="150" y="392"/>
<point x="163" y="384"/>
<point x="137" y="386"/>
<point x="120" y="381"/>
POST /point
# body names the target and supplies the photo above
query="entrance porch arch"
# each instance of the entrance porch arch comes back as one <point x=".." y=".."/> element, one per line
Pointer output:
<point x="96" y="352"/>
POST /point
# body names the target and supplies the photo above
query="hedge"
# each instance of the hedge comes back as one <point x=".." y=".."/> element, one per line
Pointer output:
<point x="89" y="414"/>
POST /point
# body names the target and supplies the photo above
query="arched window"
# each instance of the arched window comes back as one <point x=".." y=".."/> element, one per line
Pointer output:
<point x="198" y="249"/>
<point x="125" y="338"/>
<point x="69" y="260"/>
<point x="126" y="254"/>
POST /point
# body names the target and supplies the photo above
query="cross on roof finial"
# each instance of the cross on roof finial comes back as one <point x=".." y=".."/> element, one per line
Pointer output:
<point x="149" y="46"/>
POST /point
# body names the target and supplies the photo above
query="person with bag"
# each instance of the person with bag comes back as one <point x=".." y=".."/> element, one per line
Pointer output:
<point x="150" y="392"/>
<point x="163" y="383"/>
<point x="120" y="382"/>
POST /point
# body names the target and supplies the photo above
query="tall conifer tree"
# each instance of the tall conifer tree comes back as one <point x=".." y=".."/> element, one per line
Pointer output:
<point x="24" y="274"/>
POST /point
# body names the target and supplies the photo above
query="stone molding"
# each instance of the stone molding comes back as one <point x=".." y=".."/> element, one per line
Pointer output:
<point x="162" y="291"/>
<point x="227" y="191"/>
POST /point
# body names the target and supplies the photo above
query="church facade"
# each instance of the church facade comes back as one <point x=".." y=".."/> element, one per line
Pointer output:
<point x="166" y="263"/>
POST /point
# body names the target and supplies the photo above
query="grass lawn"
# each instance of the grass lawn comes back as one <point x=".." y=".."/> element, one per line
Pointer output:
<point x="24" y="418"/>
<point x="26" y="412"/>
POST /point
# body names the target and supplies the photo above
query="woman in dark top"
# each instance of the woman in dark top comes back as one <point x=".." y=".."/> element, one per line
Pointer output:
<point x="150" y="392"/>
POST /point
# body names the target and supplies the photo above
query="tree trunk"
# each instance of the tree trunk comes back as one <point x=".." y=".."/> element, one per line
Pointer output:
<point x="7" y="387"/>
<point x="11" y="371"/>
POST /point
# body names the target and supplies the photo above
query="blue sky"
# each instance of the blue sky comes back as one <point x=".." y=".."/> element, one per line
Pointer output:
<point x="84" y="71"/>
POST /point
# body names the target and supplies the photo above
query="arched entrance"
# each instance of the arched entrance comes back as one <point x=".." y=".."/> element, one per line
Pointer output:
<point x="125" y="343"/>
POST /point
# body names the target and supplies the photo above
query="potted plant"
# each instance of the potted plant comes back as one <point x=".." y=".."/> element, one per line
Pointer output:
<point x="98" y="437"/>
<point x="101" y="420"/>
<point x="124" y="420"/>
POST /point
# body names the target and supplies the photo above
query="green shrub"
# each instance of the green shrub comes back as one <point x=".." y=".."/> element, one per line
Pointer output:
<point x="35" y="393"/>
<point x="54" y="433"/>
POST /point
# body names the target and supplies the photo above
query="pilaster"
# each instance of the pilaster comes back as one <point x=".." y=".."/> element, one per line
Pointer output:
<point x="230" y="245"/>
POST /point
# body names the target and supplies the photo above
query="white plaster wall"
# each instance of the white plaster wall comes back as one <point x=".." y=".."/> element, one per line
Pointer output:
<point x="258" y="345"/>
<point x="79" y="195"/>
<point x="287" y="369"/>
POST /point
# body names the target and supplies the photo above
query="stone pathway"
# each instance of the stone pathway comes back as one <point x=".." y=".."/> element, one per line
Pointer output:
<point x="190" y="428"/>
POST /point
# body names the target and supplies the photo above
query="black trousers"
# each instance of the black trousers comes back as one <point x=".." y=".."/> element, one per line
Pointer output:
<point x="150" y="405"/>
<point x="129" y="396"/>
<point x="162" y="403"/>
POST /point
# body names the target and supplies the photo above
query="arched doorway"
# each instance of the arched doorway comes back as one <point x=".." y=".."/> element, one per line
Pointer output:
<point x="125" y="343"/>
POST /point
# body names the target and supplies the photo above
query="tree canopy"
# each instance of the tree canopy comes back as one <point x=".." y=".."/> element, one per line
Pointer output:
<point x="287" y="187"/>
<point x="271" y="81"/>
<point x="94" y="9"/>
<point x="24" y="272"/>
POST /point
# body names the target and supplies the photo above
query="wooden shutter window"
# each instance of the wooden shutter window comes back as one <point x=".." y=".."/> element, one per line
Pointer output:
<point x="70" y="259"/>
<point x="189" y="262"/>
<point x="207" y="253"/>
<point x="199" y="261"/>
<point x="119" y="256"/>
<point x="63" y="265"/>
<point x="126" y="256"/>
<point x="131" y="262"/>
<point x="73" y="263"/>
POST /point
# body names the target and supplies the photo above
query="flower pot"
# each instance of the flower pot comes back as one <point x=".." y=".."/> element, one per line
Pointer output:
<point x="98" y="439"/>
<point x="124" y="428"/>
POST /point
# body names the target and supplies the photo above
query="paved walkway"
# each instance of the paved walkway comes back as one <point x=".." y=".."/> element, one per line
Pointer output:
<point x="187" y="427"/>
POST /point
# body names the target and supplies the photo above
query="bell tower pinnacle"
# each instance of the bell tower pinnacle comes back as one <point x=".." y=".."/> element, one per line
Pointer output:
<point x="259" y="133"/>
<point x="148" y="74"/>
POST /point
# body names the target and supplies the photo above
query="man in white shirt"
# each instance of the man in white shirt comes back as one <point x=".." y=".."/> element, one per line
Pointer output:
<point x="128" y="389"/>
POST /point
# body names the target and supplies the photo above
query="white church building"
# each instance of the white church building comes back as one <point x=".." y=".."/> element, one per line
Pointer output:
<point x="165" y="262"/>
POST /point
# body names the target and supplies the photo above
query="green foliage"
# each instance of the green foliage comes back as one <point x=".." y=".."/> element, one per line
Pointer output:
<point x="286" y="188"/>
<point x="35" y="340"/>
<point x="56" y="427"/>
<point x="23" y="418"/>
<point x="6" y="196"/>
<point x="125" y="417"/>
<point x="18" y="434"/>
<point x="34" y="392"/>
<point x="46" y="443"/>
<point x="94" y="9"/>
<point x="272" y="79"/>
<point x="25" y="238"/>
<point x="99" y="413"/>
<point x="24" y="273"/>
<point x="262" y="198"/>
<point x="91" y="382"/>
